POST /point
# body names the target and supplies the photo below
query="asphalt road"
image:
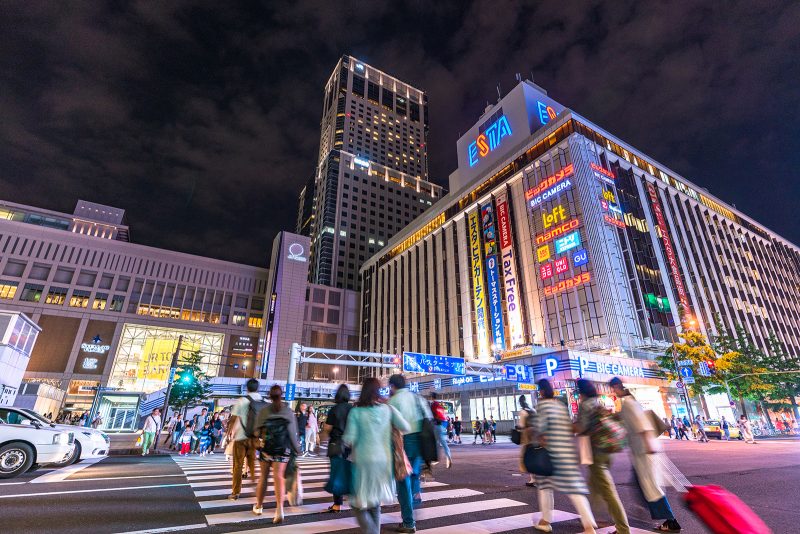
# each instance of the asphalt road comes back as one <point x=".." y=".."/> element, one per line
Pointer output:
<point x="482" y="493"/>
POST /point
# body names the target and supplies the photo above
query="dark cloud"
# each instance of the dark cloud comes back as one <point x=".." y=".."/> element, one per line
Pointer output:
<point x="202" y="119"/>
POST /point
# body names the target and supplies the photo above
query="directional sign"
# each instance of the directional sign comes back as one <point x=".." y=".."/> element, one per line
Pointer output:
<point x="686" y="372"/>
<point x="414" y="362"/>
<point x="171" y="374"/>
<point x="685" y="363"/>
<point x="291" y="390"/>
<point x="688" y="380"/>
<point x="703" y="370"/>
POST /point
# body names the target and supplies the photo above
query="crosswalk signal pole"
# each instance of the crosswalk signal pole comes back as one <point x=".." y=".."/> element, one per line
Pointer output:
<point x="172" y="368"/>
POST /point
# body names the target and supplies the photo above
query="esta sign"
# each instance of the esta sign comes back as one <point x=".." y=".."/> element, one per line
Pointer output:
<point x="488" y="140"/>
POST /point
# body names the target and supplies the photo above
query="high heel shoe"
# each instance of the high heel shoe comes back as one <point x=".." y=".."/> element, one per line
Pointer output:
<point x="278" y="517"/>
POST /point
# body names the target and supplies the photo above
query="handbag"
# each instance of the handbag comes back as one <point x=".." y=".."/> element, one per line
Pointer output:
<point x="537" y="461"/>
<point x="428" y="440"/>
<point x="516" y="436"/>
<point x="340" y="481"/>
<point x="294" y="483"/>
<point x="402" y="467"/>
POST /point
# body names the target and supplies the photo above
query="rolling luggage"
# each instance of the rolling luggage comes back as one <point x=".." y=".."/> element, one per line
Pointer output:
<point x="723" y="512"/>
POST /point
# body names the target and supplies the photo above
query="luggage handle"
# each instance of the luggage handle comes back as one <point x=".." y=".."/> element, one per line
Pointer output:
<point x="676" y="479"/>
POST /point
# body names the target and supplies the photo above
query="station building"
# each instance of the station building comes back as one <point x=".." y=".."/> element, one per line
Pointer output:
<point x="558" y="238"/>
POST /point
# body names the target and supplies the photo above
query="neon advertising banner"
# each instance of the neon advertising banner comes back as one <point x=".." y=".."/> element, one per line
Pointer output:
<point x="671" y="258"/>
<point x="512" y="292"/>
<point x="493" y="278"/>
<point x="478" y="293"/>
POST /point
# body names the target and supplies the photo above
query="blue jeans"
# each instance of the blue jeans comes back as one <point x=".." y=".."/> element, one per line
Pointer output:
<point x="406" y="489"/>
<point x="443" y="440"/>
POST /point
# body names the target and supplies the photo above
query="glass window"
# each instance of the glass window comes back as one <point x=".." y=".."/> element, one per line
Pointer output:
<point x="79" y="299"/>
<point x="8" y="289"/>
<point x="239" y="318"/>
<point x="255" y="320"/>
<point x="100" y="301"/>
<point x="117" y="303"/>
<point x="56" y="295"/>
<point x="31" y="293"/>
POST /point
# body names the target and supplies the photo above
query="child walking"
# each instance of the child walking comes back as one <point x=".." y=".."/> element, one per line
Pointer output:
<point x="205" y="439"/>
<point x="186" y="439"/>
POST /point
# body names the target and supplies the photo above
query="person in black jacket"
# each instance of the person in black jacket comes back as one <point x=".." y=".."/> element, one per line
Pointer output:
<point x="335" y="425"/>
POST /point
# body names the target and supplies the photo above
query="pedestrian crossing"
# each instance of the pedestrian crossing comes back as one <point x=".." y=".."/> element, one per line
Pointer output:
<point x="210" y="479"/>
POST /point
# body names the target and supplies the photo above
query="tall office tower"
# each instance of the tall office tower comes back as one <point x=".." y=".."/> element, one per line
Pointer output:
<point x="305" y="208"/>
<point x="371" y="177"/>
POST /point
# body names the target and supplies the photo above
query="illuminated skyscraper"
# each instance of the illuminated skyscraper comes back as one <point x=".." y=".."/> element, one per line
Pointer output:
<point x="371" y="177"/>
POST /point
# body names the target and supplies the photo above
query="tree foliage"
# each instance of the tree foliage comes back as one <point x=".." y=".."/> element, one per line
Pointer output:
<point x="191" y="385"/>
<point x="692" y="346"/>
<point x="740" y="356"/>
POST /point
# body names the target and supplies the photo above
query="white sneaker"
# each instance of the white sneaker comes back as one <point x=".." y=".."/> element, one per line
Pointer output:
<point x="258" y="510"/>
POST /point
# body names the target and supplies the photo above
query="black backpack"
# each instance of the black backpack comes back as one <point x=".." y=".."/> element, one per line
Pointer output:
<point x="252" y="416"/>
<point x="276" y="436"/>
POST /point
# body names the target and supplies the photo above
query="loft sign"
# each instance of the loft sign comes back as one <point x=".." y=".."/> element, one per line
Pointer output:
<point x="488" y="140"/>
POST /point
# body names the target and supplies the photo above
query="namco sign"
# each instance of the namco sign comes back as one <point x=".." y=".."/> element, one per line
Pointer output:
<point x="488" y="140"/>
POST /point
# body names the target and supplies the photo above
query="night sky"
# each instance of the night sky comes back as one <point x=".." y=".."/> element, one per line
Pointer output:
<point x="202" y="120"/>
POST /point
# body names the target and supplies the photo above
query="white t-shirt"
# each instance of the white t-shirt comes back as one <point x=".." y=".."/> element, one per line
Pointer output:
<point x="240" y="411"/>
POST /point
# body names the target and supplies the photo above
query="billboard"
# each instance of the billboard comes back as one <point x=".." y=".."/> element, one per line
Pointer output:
<point x="493" y="278"/>
<point x="672" y="259"/>
<point x="511" y="289"/>
<point x="478" y="292"/>
<point x="415" y="362"/>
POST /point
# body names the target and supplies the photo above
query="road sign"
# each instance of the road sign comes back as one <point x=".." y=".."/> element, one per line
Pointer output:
<point x="688" y="380"/>
<point x="685" y="363"/>
<point x="686" y="372"/>
<point x="679" y="384"/>
<point x="291" y="390"/>
<point x="733" y="404"/>
<point x="414" y="362"/>
<point x="703" y="370"/>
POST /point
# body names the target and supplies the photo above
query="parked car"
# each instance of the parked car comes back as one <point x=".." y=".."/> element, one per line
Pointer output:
<point x="26" y="444"/>
<point x="89" y="442"/>
<point x="713" y="429"/>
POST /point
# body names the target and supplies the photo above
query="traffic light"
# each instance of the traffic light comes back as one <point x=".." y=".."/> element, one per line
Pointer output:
<point x="712" y="367"/>
<point x="187" y="378"/>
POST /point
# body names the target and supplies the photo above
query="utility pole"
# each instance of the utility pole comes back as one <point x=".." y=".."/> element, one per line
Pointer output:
<point x="172" y="367"/>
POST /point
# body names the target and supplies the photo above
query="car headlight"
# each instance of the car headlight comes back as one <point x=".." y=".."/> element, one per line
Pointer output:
<point x="61" y="439"/>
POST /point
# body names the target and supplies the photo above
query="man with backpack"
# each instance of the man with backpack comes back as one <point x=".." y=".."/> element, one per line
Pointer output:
<point x="242" y="433"/>
<point x="414" y="410"/>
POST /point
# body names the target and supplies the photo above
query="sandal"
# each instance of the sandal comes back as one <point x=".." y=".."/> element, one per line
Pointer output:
<point x="333" y="510"/>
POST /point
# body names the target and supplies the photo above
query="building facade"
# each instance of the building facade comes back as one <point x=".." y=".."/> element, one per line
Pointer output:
<point x="372" y="170"/>
<point x="558" y="234"/>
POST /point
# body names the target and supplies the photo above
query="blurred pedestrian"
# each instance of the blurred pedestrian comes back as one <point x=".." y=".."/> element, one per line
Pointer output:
<point x="369" y="433"/>
<point x="338" y="453"/>
<point x="701" y="430"/>
<point x="477" y="431"/>
<point x="746" y="429"/>
<point x="493" y="429"/>
<point x="457" y="430"/>
<point x="312" y="427"/>
<point x="217" y="429"/>
<point x="150" y="430"/>
<point x="526" y="418"/>
<point x="97" y="421"/>
<point x="682" y="430"/>
<point x="674" y="424"/>
<point x="277" y="425"/>
<point x="440" y="419"/>
<point x="413" y="410"/>
<point x="204" y="439"/>
<point x="553" y="429"/>
<point x="644" y="448"/>
<point x="302" y="424"/>
<point x="591" y="417"/>
<point x="726" y="429"/>
<point x="177" y="431"/>
<point x="244" y="441"/>
<point x="487" y="431"/>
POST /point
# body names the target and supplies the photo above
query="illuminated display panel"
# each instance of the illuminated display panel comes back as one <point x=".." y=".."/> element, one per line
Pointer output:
<point x="511" y="288"/>
<point x="478" y="294"/>
<point x="493" y="278"/>
<point x="569" y="283"/>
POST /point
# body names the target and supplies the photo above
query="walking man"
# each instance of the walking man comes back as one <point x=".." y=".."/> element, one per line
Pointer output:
<point x="152" y="424"/>
<point x="701" y="431"/>
<point x="643" y="449"/>
<point x="413" y="409"/>
<point x="243" y="438"/>
<point x="302" y="423"/>
<point x="726" y="429"/>
<point x="441" y="423"/>
<point x="457" y="430"/>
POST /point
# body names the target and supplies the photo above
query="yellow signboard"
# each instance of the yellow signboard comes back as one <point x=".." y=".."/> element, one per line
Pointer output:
<point x="543" y="253"/>
<point x="527" y="387"/>
<point x="479" y="293"/>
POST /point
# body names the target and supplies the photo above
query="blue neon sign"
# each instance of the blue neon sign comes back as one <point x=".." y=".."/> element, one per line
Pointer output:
<point x="568" y="242"/>
<point x="546" y="113"/>
<point x="415" y="362"/>
<point x="361" y="162"/>
<point x="580" y="257"/>
<point x="488" y="140"/>
<point x="518" y="373"/>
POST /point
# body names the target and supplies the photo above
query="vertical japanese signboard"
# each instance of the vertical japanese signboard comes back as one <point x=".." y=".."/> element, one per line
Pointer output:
<point x="512" y="292"/>
<point x="478" y="291"/>
<point x="668" y="250"/>
<point x="493" y="278"/>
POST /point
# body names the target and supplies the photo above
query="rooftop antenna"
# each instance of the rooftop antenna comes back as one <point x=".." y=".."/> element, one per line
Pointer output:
<point x="518" y="76"/>
<point x="498" y="93"/>
<point x="531" y="75"/>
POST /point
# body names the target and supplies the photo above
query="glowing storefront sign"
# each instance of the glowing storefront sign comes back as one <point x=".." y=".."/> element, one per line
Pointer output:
<point x="95" y="348"/>
<point x="361" y="162"/>
<point x="561" y="265"/>
<point x="568" y="242"/>
<point x="569" y="283"/>
<point x="601" y="172"/>
<point x="613" y="221"/>
<point x="550" y="193"/>
<point x="510" y="280"/>
<point x="550" y="181"/>
<point x="580" y="257"/>
<point x="478" y="296"/>
<point x="543" y="253"/>
<point x="488" y="140"/>
<point x="594" y="366"/>
<point x="89" y="363"/>
<point x="555" y="216"/>
<point x="671" y="258"/>
<point x="546" y="113"/>
<point x="546" y="270"/>
<point x="415" y="362"/>
<point x="493" y="278"/>
<point x="559" y="230"/>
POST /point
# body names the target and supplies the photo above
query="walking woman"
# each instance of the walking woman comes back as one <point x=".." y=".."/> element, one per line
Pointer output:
<point x="335" y="426"/>
<point x="553" y="428"/>
<point x="601" y="485"/>
<point x="746" y="429"/>
<point x="311" y="431"/>
<point x="278" y="427"/>
<point x="369" y="433"/>
<point x="526" y="415"/>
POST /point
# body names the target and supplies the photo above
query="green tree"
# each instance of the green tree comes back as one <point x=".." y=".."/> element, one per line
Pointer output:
<point x="785" y="383"/>
<point x="191" y="385"/>
<point x="692" y="346"/>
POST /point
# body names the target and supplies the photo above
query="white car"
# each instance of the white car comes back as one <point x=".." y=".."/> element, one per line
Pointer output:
<point x="25" y="445"/>
<point x="89" y="442"/>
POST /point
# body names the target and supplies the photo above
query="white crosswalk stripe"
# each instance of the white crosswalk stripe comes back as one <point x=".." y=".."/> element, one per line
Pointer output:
<point x="210" y="480"/>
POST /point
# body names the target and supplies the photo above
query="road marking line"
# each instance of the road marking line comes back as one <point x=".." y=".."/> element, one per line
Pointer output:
<point x="227" y="476"/>
<point x="67" y="492"/>
<point x="498" y="524"/>
<point x="251" y="487"/>
<point x="60" y="474"/>
<point x="119" y="478"/>
<point x="348" y="523"/>
<point x="166" y="529"/>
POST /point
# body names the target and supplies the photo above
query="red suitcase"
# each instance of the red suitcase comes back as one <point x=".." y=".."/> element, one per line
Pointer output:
<point x="723" y="512"/>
